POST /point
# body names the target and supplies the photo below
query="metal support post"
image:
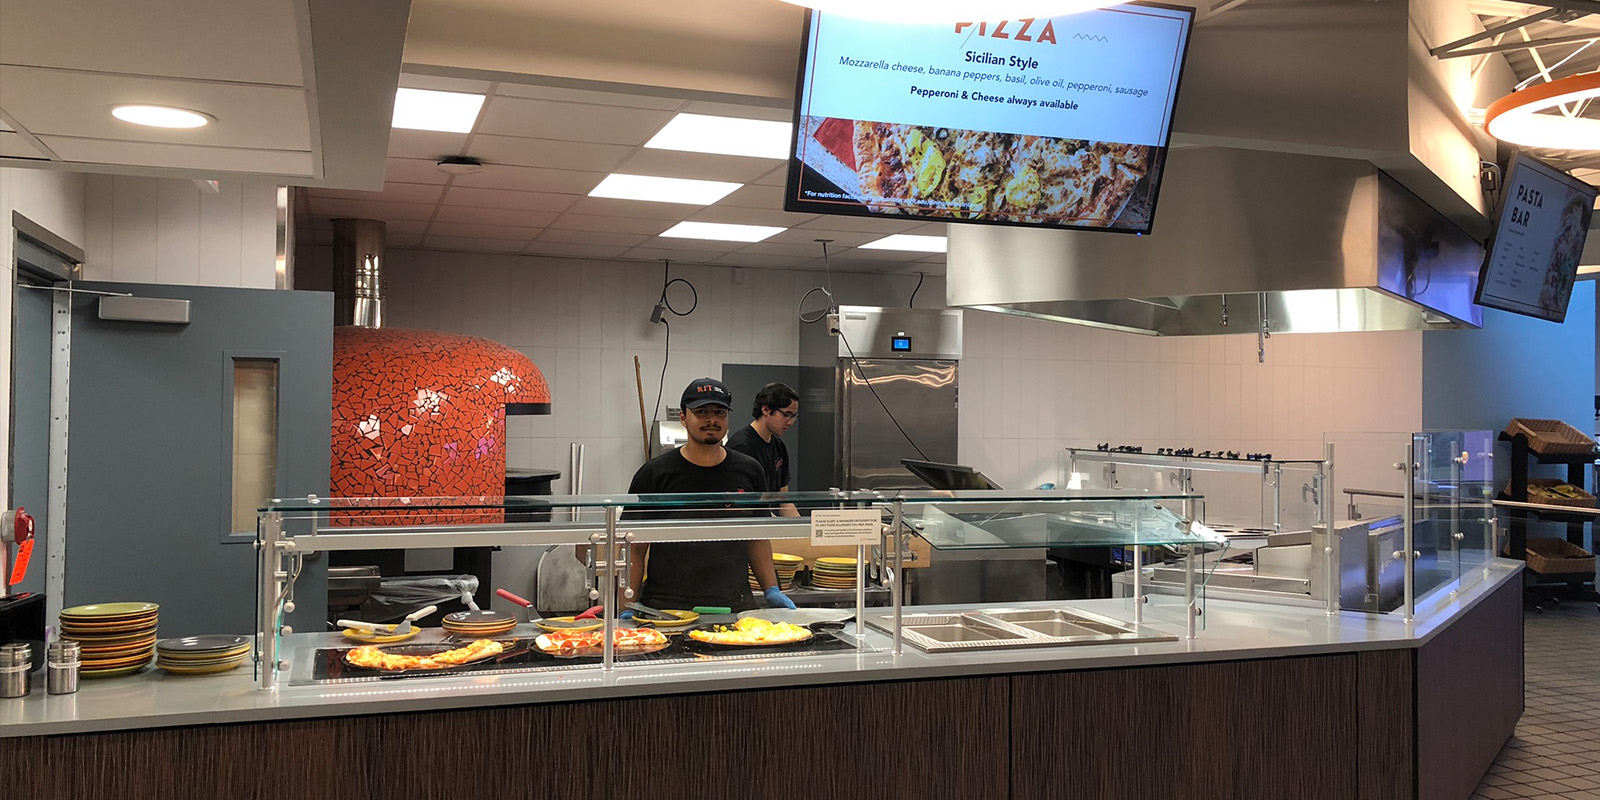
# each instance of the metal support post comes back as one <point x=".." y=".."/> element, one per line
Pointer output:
<point x="1330" y="572"/>
<point x="1138" y="572"/>
<point x="608" y="597"/>
<point x="55" y="516"/>
<point x="1408" y="544"/>
<point x="271" y="533"/>
<point x="899" y="573"/>
<point x="1191" y="610"/>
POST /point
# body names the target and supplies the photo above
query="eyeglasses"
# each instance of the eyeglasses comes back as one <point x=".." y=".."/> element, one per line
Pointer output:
<point x="789" y="415"/>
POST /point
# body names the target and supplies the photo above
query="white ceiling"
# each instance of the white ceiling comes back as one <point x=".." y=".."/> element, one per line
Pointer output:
<point x="545" y="148"/>
<point x="285" y="94"/>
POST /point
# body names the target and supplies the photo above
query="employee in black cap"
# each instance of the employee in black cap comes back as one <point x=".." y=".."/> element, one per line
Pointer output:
<point x="688" y="574"/>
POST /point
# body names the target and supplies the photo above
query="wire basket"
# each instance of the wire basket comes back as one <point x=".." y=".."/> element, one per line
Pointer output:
<point x="1552" y="437"/>
<point x="1583" y="500"/>
<point x="1550" y="556"/>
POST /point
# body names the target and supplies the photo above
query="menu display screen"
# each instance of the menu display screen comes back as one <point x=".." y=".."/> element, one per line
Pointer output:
<point x="1533" y="258"/>
<point x="1059" y="122"/>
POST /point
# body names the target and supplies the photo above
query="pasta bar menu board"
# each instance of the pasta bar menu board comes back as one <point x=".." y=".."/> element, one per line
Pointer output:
<point x="1055" y="122"/>
<point x="1533" y="257"/>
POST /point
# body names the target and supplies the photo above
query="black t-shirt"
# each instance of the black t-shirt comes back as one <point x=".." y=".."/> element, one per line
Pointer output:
<point x="688" y="574"/>
<point x="773" y="456"/>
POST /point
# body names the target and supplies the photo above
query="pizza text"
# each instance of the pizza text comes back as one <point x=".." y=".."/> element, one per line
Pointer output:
<point x="1022" y="30"/>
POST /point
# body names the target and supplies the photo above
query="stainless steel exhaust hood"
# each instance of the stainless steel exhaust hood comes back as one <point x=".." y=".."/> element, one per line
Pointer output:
<point x="1244" y="239"/>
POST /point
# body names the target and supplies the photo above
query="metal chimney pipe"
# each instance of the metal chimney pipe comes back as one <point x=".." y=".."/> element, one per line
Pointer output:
<point x="358" y="252"/>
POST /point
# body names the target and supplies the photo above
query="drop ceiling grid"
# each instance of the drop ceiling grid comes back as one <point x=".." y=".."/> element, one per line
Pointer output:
<point x="547" y="148"/>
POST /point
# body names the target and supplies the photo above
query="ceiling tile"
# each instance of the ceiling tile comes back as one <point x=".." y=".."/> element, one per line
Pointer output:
<point x="701" y="245"/>
<point x="613" y="239"/>
<point x="534" y="92"/>
<point x="612" y="207"/>
<point x="504" y="200"/>
<point x="271" y="118"/>
<point x="779" y="114"/>
<point x="441" y="84"/>
<point x="406" y="240"/>
<point x="573" y="250"/>
<point x="531" y="179"/>
<point x="178" y="156"/>
<point x="405" y="227"/>
<point x="413" y="170"/>
<point x="585" y="222"/>
<point x="808" y="236"/>
<point x="806" y="251"/>
<point x="683" y="256"/>
<point x="543" y="119"/>
<point x="255" y="42"/>
<point x="751" y="260"/>
<point x="779" y="176"/>
<point x="392" y="192"/>
<point x="751" y="216"/>
<point x="881" y="225"/>
<point x="369" y="209"/>
<point x="429" y="145"/>
<point x="755" y="196"/>
<point x="700" y="166"/>
<point x="472" y="245"/>
<point x="463" y="229"/>
<point x="517" y="151"/>
<point x="12" y="145"/>
<point x="514" y="217"/>
<point x="931" y="229"/>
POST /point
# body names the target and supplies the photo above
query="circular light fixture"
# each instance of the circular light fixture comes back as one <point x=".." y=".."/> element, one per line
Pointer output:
<point x="944" y="11"/>
<point x="160" y="116"/>
<point x="459" y="165"/>
<point x="1517" y="117"/>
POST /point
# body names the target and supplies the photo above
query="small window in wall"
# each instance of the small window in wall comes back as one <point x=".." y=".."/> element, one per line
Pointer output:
<point x="255" y="438"/>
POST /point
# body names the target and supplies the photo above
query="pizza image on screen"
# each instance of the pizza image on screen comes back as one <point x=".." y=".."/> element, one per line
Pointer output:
<point x="919" y="170"/>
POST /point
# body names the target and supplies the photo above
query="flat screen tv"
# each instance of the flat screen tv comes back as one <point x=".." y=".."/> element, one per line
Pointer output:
<point x="1060" y="122"/>
<point x="1532" y="260"/>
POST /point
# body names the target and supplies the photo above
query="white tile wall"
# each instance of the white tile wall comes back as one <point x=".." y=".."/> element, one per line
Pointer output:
<point x="150" y="230"/>
<point x="1028" y="388"/>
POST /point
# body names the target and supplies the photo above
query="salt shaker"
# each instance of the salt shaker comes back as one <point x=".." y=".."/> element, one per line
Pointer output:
<point x="61" y="663"/>
<point x="16" y="667"/>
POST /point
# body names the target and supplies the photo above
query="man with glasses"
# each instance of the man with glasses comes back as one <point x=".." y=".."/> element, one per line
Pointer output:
<point x="775" y="409"/>
<point x="683" y="575"/>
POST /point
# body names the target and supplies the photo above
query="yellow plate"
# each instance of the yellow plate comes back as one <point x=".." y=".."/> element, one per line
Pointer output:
<point x="685" y="619"/>
<point x="110" y="610"/>
<point x="207" y="670"/>
<point x="838" y="560"/>
<point x="238" y="652"/>
<point x="374" y="637"/>
<point x="787" y="559"/>
<point x="587" y="626"/>
<point x="111" y="673"/>
<point x="118" y="662"/>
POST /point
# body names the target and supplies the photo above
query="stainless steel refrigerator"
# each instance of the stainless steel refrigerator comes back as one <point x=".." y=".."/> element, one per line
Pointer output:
<point x="883" y="389"/>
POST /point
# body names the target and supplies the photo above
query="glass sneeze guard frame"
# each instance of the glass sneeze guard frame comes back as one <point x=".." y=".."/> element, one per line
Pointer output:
<point x="290" y="529"/>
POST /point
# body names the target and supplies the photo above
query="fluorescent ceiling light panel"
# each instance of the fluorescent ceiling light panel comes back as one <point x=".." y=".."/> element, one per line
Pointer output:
<point x="729" y="136"/>
<point x="906" y="241"/>
<point x="663" y="190"/>
<point x="160" y="116"/>
<point x="428" y="110"/>
<point x="721" y="231"/>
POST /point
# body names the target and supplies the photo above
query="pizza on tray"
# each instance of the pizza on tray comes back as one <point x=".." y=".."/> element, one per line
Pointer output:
<point x="752" y="632"/>
<point x="581" y="643"/>
<point x="911" y="169"/>
<point x="372" y="657"/>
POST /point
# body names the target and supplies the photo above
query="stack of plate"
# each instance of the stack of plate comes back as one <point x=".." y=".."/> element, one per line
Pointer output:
<point x="202" y="655"/>
<point x="785" y="566"/>
<point x="834" y="573"/>
<point x="479" y="624"/>
<point x="117" y="638"/>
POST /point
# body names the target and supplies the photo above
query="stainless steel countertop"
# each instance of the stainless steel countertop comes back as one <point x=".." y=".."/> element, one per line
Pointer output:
<point x="1232" y="630"/>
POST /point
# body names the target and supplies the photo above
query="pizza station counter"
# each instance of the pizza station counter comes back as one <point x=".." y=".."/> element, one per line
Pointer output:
<point x="1364" y="698"/>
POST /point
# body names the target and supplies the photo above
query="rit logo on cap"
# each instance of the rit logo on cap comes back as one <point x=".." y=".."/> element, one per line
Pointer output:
<point x="706" y="389"/>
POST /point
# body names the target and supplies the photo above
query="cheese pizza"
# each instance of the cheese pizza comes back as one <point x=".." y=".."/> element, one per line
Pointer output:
<point x="978" y="175"/>
<point x="372" y="657"/>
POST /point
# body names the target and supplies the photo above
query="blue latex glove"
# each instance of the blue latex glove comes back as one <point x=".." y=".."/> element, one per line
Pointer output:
<point x="626" y="614"/>
<point x="777" y="599"/>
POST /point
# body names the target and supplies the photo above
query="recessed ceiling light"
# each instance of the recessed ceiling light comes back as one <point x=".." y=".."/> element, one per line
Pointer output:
<point x="940" y="11"/>
<point x="721" y="231"/>
<point x="906" y="241"/>
<point x="428" y="110"/>
<point x="730" y="136"/>
<point x="663" y="190"/>
<point x="160" y="116"/>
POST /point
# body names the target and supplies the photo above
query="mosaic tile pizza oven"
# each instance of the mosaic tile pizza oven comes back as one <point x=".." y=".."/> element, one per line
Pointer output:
<point x="423" y="414"/>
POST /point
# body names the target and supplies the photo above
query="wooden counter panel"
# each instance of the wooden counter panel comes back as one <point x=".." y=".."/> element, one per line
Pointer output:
<point x="1385" y="715"/>
<point x="1242" y="729"/>
<point x="916" y="739"/>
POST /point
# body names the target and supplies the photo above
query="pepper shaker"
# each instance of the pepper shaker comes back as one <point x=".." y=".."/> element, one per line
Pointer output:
<point x="16" y="667"/>
<point x="62" y="660"/>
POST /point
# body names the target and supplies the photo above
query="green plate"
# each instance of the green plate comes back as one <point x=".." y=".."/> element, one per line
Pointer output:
<point x="109" y="609"/>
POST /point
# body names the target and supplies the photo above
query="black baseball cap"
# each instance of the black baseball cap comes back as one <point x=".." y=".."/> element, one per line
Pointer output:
<point x="706" y="392"/>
